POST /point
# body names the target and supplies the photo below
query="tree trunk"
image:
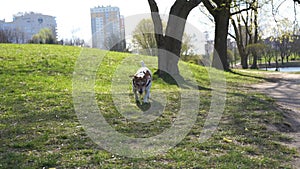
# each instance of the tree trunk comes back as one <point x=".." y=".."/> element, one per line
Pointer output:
<point x="255" y="57"/>
<point x="276" y="64"/>
<point x="254" y="64"/>
<point x="220" y="53"/>
<point x="220" y="10"/>
<point x="169" y="45"/>
<point x="220" y="60"/>
<point x="159" y="37"/>
<point x="240" y="45"/>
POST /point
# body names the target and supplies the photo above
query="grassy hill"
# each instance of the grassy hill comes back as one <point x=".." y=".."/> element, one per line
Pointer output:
<point x="39" y="126"/>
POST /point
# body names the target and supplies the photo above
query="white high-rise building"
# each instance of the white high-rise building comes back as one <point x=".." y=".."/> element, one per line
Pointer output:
<point x="108" y="30"/>
<point x="25" y="25"/>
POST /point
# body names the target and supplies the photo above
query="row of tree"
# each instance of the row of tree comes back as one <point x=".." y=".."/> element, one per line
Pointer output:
<point x="12" y="36"/>
<point x="44" y="36"/>
<point x="242" y="14"/>
<point x="249" y="43"/>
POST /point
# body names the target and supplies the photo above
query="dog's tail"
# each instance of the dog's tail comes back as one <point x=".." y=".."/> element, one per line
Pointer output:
<point x="143" y="63"/>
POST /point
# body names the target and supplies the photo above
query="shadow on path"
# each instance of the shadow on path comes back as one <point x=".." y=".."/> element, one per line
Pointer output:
<point x="285" y="89"/>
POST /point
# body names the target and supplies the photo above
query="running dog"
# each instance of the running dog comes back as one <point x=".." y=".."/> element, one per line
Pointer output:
<point x="142" y="82"/>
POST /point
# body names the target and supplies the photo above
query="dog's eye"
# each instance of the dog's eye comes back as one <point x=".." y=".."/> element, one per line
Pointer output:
<point x="140" y="83"/>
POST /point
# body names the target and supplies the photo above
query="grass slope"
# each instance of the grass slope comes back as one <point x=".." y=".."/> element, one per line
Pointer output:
<point x="39" y="127"/>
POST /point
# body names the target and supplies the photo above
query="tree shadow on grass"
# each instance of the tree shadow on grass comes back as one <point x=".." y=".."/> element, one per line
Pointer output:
<point x="253" y="76"/>
<point x="178" y="79"/>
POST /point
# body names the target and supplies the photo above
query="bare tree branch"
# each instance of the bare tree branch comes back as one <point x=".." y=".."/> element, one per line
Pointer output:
<point x="231" y="35"/>
<point x="276" y="9"/>
<point x="158" y="27"/>
<point x="209" y="7"/>
<point x="153" y="6"/>
<point x="194" y="3"/>
<point x="295" y="17"/>
<point x="208" y="15"/>
<point x="242" y="10"/>
<point x="251" y="6"/>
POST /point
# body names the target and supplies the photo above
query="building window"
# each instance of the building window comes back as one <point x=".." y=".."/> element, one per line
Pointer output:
<point x="40" y="20"/>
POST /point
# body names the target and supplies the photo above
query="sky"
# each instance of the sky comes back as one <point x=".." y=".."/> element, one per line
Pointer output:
<point x="73" y="16"/>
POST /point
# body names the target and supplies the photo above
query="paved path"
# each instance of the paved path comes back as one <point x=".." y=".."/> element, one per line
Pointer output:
<point x="285" y="89"/>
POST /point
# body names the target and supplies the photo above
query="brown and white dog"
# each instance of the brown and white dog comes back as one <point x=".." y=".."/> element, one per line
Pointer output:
<point x="142" y="82"/>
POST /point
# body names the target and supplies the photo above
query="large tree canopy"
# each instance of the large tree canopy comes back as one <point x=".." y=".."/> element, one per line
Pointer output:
<point x="45" y="36"/>
<point x="144" y="39"/>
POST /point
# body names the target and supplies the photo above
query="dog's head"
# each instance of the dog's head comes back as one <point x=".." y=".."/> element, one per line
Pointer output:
<point x="140" y="80"/>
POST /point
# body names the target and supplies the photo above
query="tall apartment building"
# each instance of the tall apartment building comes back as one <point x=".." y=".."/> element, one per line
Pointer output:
<point x="25" y="25"/>
<point x="108" y="28"/>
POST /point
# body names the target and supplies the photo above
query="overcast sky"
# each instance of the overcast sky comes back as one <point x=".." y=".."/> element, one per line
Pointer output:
<point x="74" y="15"/>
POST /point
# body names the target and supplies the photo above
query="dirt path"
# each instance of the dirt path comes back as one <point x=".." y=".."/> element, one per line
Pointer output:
<point x="285" y="89"/>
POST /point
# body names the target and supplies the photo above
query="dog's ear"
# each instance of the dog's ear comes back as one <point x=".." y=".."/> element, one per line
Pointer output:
<point x="147" y="74"/>
<point x="131" y="76"/>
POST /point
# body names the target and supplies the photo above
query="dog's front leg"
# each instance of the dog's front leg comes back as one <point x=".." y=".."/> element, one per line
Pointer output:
<point x="135" y="95"/>
<point x="147" y="95"/>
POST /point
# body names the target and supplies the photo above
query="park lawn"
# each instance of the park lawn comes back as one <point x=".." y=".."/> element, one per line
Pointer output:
<point x="40" y="128"/>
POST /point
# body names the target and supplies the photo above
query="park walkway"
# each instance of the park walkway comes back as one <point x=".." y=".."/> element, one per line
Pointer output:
<point x="285" y="89"/>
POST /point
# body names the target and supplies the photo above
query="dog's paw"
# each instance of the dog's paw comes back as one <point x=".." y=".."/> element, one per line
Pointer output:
<point x="146" y="102"/>
<point x="137" y="102"/>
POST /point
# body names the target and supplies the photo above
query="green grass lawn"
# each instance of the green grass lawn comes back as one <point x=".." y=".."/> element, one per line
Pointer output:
<point x="40" y="128"/>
